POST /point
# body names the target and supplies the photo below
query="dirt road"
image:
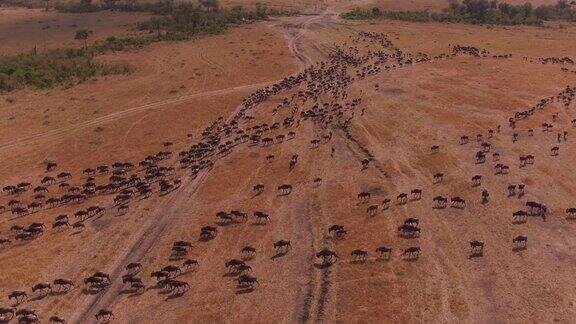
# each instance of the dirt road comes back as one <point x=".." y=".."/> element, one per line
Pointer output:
<point x="160" y="219"/>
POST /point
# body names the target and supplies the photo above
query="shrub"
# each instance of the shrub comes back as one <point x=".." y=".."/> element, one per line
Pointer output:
<point x="53" y="68"/>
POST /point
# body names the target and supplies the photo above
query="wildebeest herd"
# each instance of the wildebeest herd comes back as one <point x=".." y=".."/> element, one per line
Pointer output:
<point x="319" y="96"/>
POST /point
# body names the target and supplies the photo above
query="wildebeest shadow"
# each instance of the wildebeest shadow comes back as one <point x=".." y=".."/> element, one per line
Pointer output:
<point x="91" y="291"/>
<point x="132" y="291"/>
<point x="164" y="292"/>
<point x="38" y="297"/>
<point x="323" y="265"/>
<point x="476" y="255"/>
<point x="411" y="259"/>
<point x="279" y="255"/>
<point x="176" y="295"/>
<point x="518" y="248"/>
<point x="59" y="293"/>
<point x="241" y="291"/>
<point x="231" y="274"/>
<point x="225" y="223"/>
<point x="158" y="285"/>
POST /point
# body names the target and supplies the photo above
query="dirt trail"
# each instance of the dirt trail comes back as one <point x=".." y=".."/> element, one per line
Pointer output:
<point x="160" y="218"/>
<point x="56" y="133"/>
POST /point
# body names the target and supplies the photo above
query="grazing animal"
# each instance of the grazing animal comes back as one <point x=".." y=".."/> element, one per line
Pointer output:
<point x="571" y="213"/>
<point x="328" y="256"/>
<point x="402" y="198"/>
<point x="246" y="281"/>
<point x="359" y="255"/>
<point x="337" y="231"/>
<point x="440" y="202"/>
<point x="190" y="264"/>
<point x="408" y="230"/>
<point x="134" y="268"/>
<point x="438" y="177"/>
<point x="520" y="242"/>
<point x="258" y="189"/>
<point x="457" y="202"/>
<point x="57" y="320"/>
<point x="261" y="217"/>
<point x="63" y="284"/>
<point x="412" y="252"/>
<point x="476" y="180"/>
<point x="285" y="189"/>
<point x="104" y="315"/>
<point x="476" y="248"/>
<point x="282" y="246"/>
<point x="364" y="196"/>
<point x="248" y="252"/>
<point x="7" y="313"/>
<point x="385" y="252"/>
<point x="416" y="194"/>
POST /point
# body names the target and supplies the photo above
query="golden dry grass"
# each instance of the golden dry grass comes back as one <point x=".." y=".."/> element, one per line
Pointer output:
<point x="413" y="108"/>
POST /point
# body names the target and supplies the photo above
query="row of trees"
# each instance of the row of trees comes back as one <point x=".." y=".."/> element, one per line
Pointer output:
<point x="187" y="20"/>
<point x="492" y="10"/>
<point x="478" y="12"/>
<point x="162" y="7"/>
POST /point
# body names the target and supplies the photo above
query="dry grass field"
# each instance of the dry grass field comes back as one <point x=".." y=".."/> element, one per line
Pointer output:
<point x="25" y="28"/>
<point x="367" y="106"/>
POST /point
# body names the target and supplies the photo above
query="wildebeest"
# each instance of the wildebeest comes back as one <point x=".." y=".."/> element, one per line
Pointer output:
<point x="282" y="246"/>
<point x="412" y="252"/>
<point x="104" y="315"/>
<point x="520" y="242"/>
<point x="328" y="256"/>
<point x="476" y="248"/>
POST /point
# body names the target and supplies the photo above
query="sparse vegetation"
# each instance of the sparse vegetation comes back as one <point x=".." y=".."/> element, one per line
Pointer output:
<point x="476" y="12"/>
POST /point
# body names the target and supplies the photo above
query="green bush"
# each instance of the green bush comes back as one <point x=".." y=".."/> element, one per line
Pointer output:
<point x="53" y="68"/>
<point x="77" y="7"/>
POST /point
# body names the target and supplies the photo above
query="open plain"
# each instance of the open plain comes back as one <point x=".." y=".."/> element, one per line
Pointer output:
<point x="334" y="136"/>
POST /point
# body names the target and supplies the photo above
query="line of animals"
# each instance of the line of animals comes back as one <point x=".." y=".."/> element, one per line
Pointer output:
<point x="324" y="102"/>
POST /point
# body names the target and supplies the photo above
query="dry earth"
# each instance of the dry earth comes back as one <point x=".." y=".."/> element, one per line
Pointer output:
<point x="181" y="88"/>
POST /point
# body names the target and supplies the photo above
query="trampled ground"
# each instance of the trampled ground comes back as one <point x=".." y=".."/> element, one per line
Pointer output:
<point x="181" y="88"/>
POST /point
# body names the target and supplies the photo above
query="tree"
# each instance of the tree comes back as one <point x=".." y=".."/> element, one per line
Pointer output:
<point x="83" y="34"/>
<point x="477" y="8"/>
<point x="109" y="3"/>
<point x="157" y="23"/>
<point x="210" y="5"/>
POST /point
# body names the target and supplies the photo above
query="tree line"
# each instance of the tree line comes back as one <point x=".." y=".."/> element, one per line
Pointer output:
<point x="477" y="12"/>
